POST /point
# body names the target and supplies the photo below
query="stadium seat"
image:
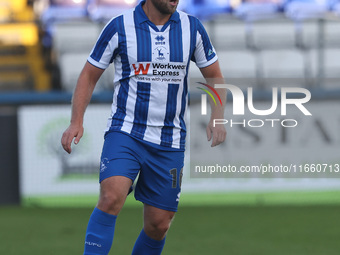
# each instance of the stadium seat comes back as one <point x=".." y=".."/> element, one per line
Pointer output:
<point x="227" y="33"/>
<point x="72" y="44"/>
<point x="64" y="10"/>
<point x="331" y="67"/>
<point x="75" y="37"/>
<point x="22" y="66"/>
<point x="61" y="11"/>
<point x="299" y="10"/>
<point x="70" y="67"/>
<point x="104" y="10"/>
<point x="14" y="10"/>
<point x="238" y="67"/>
<point x="182" y="5"/>
<point x="207" y="9"/>
<point x="288" y="71"/>
<point x="250" y="11"/>
<point x="335" y="6"/>
<point x="302" y="10"/>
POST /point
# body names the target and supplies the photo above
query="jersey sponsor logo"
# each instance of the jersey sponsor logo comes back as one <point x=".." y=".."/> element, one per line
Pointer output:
<point x="141" y="68"/>
<point x="159" y="69"/>
<point x="168" y="66"/>
<point x="210" y="52"/>
<point x="167" y="69"/>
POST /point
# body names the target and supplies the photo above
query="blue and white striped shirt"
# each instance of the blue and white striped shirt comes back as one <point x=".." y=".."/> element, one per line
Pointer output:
<point x="151" y="73"/>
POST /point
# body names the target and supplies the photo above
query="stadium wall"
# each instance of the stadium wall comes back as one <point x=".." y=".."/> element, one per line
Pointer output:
<point x="34" y="157"/>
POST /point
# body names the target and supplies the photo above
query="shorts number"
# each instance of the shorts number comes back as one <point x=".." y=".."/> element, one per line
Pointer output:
<point x="173" y="172"/>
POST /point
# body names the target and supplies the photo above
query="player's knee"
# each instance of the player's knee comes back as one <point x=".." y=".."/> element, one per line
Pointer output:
<point x="110" y="202"/>
<point x="158" y="228"/>
<point x="162" y="228"/>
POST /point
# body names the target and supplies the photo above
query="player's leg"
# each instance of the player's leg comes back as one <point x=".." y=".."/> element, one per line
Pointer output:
<point x="151" y="240"/>
<point x="119" y="168"/>
<point x="158" y="187"/>
<point x="157" y="221"/>
<point x="100" y="229"/>
<point x="113" y="193"/>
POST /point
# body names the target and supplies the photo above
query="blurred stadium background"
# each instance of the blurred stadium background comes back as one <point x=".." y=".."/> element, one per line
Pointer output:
<point x="46" y="196"/>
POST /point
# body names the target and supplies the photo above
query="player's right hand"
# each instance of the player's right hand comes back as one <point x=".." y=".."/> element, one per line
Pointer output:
<point x="73" y="131"/>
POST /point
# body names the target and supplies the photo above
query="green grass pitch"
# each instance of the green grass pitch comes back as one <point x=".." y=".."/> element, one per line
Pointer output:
<point x="237" y="224"/>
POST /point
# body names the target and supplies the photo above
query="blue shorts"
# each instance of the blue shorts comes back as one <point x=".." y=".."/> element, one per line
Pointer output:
<point x="160" y="171"/>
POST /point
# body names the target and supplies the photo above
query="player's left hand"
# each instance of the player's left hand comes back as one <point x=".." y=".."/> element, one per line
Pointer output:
<point x="218" y="133"/>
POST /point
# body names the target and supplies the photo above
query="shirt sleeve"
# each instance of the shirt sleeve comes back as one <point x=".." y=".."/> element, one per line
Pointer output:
<point x="204" y="54"/>
<point x="106" y="47"/>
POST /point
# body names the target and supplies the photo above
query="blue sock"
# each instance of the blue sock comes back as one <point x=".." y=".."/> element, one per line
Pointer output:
<point x="99" y="233"/>
<point x="147" y="246"/>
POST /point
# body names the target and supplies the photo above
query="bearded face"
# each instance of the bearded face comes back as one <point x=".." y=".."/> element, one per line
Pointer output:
<point x="165" y="6"/>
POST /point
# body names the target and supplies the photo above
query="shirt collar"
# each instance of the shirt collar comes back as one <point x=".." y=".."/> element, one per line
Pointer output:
<point x="141" y="16"/>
